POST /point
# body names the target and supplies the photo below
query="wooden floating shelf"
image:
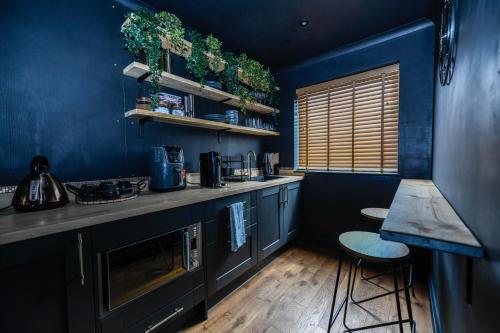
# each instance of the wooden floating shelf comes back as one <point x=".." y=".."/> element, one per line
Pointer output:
<point x="188" y="48"/>
<point x="195" y="122"/>
<point x="169" y="80"/>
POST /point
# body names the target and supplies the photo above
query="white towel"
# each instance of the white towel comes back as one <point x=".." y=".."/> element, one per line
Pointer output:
<point x="237" y="226"/>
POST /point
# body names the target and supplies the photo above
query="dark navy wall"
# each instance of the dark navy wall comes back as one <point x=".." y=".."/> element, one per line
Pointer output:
<point x="332" y="201"/>
<point x="467" y="169"/>
<point x="62" y="94"/>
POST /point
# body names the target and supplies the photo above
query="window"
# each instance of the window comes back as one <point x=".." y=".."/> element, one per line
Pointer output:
<point x="349" y="124"/>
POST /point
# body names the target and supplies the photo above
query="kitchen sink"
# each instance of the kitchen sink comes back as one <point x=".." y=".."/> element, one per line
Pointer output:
<point x="254" y="178"/>
<point x="265" y="178"/>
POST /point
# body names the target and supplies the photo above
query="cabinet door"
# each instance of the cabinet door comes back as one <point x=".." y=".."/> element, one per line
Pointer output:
<point x="291" y="210"/>
<point x="224" y="265"/>
<point x="270" y="226"/>
<point x="79" y="282"/>
<point x="41" y="286"/>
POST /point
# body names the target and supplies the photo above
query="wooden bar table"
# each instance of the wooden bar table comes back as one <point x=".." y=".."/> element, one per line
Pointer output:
<point x="420" y="216"/>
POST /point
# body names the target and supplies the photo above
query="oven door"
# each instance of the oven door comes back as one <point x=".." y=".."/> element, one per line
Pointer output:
<point x="139" y="268"/>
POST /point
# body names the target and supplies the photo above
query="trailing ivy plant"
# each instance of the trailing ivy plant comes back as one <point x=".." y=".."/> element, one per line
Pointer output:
<point x="214" y="48"/>
<point x="142" y="33"/>
<point x="254" y="74"/>
<point x="171" y="28"/>
<point x="197" y="62"/>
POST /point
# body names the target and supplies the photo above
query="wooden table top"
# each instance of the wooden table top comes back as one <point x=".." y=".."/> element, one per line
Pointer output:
<point x="376" y="214"/>
<point x="419" y="215"/>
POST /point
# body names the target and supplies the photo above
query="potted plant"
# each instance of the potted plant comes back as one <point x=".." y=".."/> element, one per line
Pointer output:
<point x="142" y="34"/>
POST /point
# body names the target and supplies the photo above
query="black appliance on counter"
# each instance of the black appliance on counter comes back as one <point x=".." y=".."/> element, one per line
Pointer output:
<point x="106" y="192"/>
<point x="166" y="168"/>
<point x="40" y="189"/>
<point x="210" y="169"/>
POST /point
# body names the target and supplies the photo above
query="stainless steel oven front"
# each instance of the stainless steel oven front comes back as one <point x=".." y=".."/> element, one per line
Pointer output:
<point x="133" y="270"/>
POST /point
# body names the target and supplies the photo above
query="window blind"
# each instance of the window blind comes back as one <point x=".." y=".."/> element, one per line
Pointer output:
<point x="349" y="124"/>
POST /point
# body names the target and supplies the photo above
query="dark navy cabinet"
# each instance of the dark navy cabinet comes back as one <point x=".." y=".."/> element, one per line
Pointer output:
<point x="223" y="264"/>
<point x="269" y="206"/>
<point x="279" y="217"/>
<point x="68" y="282"/>
<point x="46" y="285"/>
<point x="291" y="210"/>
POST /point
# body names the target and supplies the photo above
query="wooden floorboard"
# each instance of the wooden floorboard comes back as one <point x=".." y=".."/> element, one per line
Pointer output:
<point x="293" y="294"/>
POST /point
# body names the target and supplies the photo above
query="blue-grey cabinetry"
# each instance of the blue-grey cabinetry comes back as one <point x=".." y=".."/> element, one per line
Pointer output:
<point x="279" y="217"/>
<point x="223" y="264"/>
<point x="290" y="205"/>
<point x="46" y="285"/>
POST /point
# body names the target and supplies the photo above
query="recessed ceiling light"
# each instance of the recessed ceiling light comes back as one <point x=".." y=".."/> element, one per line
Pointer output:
<point x="304" y="23"/>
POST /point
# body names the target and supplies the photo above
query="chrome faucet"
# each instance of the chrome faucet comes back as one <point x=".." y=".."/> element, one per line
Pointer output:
<point x="249" y="165"/>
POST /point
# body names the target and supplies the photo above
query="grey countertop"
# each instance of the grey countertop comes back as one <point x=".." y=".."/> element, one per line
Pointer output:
<point x="16" y="227"/>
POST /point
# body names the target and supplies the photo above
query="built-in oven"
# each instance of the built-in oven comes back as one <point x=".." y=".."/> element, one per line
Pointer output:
<point x="133" y="270"/>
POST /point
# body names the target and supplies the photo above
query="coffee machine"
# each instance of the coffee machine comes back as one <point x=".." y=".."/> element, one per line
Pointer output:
<point x="210" y="169"/>
<point x="166" y="168"/>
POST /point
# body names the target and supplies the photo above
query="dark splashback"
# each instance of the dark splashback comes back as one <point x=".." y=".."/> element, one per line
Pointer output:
<point x="63" y="95"/>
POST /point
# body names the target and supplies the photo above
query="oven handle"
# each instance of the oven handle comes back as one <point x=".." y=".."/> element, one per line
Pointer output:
<point x="163" y="321"/>
<point x="186" y="246"/>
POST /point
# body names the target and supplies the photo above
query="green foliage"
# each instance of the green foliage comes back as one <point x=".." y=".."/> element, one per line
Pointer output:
<point x="142" y="34"/>
<point x="173" y="30"/>
<point x="214" y="47"/>
<point x="197" y="62"/>
<point x="254" y="74"/>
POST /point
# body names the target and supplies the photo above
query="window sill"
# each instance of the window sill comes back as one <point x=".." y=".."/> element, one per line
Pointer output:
<point x="372" y="173"/>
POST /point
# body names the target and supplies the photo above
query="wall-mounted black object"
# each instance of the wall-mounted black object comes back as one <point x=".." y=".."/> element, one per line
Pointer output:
<point x="447" y="41"/>
<point x="40" y="189"/>
<point x="166" y="167"/>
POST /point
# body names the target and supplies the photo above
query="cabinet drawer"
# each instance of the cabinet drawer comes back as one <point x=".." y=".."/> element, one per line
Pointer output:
<point x="136" y="311"/>
<point x="160" y="320"/>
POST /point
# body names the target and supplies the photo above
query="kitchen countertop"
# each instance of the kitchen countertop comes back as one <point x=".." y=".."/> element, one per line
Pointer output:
<point x="16" y="227"/>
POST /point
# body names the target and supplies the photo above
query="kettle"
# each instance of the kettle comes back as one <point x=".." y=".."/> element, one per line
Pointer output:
<point x="40" y="189"/>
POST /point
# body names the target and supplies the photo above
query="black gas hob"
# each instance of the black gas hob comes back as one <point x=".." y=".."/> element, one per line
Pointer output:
<point x="106" y="192"/>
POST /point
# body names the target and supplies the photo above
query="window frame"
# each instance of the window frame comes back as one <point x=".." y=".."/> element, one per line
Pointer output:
<point x="350" y="78"/>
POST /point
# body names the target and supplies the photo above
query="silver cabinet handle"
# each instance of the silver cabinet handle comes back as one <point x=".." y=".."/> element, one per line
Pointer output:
<point x="163" y="321"/>
<point x="286" y="196"/>
<point x="80" y="258"/>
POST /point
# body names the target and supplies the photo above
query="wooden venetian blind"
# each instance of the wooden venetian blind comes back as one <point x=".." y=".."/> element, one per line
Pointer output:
<point x="349" y="124"/>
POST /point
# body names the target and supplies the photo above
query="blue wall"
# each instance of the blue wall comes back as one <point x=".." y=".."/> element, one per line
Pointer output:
<point x="467" y="169"/>
<point x="332" y="201"/>
<point x="62" y="94"/>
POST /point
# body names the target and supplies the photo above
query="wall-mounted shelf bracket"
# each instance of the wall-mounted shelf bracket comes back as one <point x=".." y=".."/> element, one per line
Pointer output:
<point x="469" y="267"/>
<point x="219" y="133"/>
<point x="141" y="126"/>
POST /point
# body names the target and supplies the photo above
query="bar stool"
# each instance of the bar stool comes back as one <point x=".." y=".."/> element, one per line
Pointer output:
<point x="379" y="215"/>
<point x="375" y="215"/>
<point x="369" y="247"/>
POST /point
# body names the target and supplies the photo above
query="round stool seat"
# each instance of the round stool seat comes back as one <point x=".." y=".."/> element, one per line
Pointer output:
<point x="370" y="247"/>
<point x="376" y="214"/>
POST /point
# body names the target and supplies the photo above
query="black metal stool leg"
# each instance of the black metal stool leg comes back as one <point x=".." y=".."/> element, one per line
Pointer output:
<point x="333" y="316"/>
<point x="408" y="300"/>
<point x="348" y="290"/>
<point x="396" y="293"/>
<point x="359" y="263"/>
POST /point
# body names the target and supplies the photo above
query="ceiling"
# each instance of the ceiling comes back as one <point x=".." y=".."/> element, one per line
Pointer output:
<point x="269" y="30"/>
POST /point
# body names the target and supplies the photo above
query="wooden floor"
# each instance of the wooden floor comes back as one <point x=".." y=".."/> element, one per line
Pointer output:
<point x="293" y="294"/>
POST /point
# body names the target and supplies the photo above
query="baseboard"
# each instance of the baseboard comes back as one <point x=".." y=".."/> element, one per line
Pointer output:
<point x="436" y="319"/>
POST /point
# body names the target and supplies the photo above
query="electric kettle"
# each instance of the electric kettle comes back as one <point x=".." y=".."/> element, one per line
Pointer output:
<point x="40" y="189"/>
